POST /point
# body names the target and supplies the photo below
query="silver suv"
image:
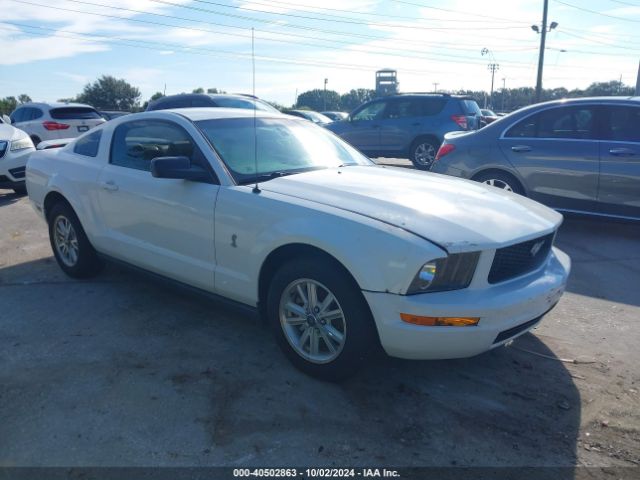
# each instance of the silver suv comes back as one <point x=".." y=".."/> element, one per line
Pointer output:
<point x="51" y="121"/>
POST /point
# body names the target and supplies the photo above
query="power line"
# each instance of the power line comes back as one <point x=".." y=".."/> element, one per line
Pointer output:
<point x="597" y="13"/>
<point x="432" y="56"/>
<point x="386" y="15"/>
<point x="421" y="5"/>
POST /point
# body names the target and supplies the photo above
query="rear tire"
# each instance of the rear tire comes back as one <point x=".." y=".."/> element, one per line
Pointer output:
<point x="501" y="180"/>
<point x="326" y="337"/>
<point x="423" y="153"/>
<point x="71" y="247"/>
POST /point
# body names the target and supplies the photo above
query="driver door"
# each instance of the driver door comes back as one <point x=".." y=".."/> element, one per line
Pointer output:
<point x="364" y="131"/>
<point x="162" y="225"/>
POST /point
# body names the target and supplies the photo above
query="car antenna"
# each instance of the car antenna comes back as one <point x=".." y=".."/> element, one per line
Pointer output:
<point x="256" y="188"/>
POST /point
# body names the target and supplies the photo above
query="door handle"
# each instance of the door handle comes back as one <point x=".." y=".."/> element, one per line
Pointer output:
<point x="109" y="185"/>
<point x="622" y="152"/>
<point x="521" y="148"/>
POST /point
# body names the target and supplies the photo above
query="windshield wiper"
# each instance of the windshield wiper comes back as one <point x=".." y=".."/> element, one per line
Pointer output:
<point x="263" y="177"/>
<point x="267" y="176"/>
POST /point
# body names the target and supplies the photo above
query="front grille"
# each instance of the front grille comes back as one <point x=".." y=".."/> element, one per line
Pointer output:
<point x="515" y="260"/>
<point x="17" y="172"/>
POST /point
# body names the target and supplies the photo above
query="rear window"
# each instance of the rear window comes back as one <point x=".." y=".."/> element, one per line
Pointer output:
<point x="74" y="113"/>
<point x="470" y="107"/>
<point x="88" y="145"/>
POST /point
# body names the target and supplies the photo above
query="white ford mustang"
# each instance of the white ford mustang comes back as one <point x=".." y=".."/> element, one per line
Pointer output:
<point x="279" y="215"/>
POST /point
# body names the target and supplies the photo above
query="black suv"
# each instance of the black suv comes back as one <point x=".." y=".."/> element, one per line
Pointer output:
<point x="410" y="125"/>
<point x="189" y="100"/>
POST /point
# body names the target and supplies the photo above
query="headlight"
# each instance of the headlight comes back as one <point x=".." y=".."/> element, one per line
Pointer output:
<point x="450" y="273"/>
<point x="21" y="144"/>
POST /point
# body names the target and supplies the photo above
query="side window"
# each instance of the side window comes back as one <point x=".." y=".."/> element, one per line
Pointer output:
<point x="18" y="115"/>
<point x="370" y="112"/>
<point x="88" y="144"/>
<point x="404" y="108"/>
<point x="571" y="123"/>
<point x="36" y="113"/>
<point x="432" y="106"/>
<point x="136" y="143"/>
<point x="623" y="125"/>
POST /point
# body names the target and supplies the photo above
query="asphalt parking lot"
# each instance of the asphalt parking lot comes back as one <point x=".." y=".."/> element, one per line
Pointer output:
<point x="124" y="371"/>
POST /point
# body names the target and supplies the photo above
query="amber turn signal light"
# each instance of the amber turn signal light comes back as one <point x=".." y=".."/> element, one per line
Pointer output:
<point x="440" y="321"/>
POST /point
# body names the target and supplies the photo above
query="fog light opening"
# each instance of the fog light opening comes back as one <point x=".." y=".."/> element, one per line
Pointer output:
<point x="439" y="321"/>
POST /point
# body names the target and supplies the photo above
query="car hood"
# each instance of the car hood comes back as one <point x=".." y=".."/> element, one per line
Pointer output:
<point x="458" y="215"/>
<point x="7" y="132"/>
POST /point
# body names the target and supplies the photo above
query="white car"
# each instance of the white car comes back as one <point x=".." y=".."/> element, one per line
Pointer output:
<point x="15" y="148"/>
<point x="339" y="254"/>
<point x="53" y="121"/>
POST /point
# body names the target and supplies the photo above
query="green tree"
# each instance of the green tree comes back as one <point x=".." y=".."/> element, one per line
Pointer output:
<point x="8" y="105"/>
<point x="355" y="98"/>
<point x="319" y="99"/>
<point x="215" y="90"/>
<point x="110" y="93"/>
<point x="24" y="98"/>
<point x="198" y="90"/>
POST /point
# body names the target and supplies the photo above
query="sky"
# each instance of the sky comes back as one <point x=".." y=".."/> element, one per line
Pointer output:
<point x="52" y="49"/>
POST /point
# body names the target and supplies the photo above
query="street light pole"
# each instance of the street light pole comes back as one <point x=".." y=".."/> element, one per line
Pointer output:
<point x="324" y="97"/>
<point x="504" y="91"/>
<point x="493" y="67"/>
<point x="543" y="39"/>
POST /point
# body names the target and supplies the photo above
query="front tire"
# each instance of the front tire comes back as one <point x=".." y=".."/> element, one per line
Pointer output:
<point x="71" y="247"/>
<point x="423" y="153"/>
<point x="320" y="319"/>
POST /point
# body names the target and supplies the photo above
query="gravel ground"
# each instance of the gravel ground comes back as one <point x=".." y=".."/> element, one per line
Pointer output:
<point x="124" y="371"/>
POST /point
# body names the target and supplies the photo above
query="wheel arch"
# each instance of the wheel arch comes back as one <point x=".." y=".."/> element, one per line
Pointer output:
<point x="425" y="136"/>
<point x="53" y="198"/>
<point x="288" y="252"/>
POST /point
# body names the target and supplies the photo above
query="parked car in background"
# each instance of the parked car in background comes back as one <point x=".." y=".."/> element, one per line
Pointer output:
<point x="339" y="254"/>
<point x="336" y="116"/>
<point x="50" y="121"/>
<point x="580" y="155"/>
<point x="111" y="114"/>
<point x="15" y="148"/>
<point x="408" y="125"/>
<point x="315" y="117"/>
<point x="487" y="116"/>
<point x="198" y="100"/>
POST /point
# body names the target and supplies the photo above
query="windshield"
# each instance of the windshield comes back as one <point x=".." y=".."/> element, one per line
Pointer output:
<point x="284" y="146"/>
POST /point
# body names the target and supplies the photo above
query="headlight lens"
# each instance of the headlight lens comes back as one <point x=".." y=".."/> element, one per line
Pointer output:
<point x="450" y="273"/>
<point x="21" y="144"/>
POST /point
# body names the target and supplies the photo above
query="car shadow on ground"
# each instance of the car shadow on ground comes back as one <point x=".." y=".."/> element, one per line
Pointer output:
<point x="7" y="197"/>
<point x="605" y="254"/>
<point x="123" y="370"/>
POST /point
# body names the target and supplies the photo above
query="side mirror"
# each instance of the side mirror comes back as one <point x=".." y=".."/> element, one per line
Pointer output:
<point x="178" y="168"/>
<point x="6" y="119"/>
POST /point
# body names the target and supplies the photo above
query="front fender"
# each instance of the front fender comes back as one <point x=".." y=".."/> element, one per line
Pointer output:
<point x="249" y="226"/>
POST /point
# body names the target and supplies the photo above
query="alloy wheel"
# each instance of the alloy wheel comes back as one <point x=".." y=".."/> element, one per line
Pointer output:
<point x="495" y="182"/>
<point x="424" y="154"/>
<point x="312" y="320"/>
<point x="66" y="241"/>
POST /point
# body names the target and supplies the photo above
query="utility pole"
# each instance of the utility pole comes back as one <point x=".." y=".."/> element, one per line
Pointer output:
<point x="504" y="91"/>
<point x="324" y="97"/>
<point x="493" y="67"/>
<point x="435" y="87"/>
<point x="543" y="39"/>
